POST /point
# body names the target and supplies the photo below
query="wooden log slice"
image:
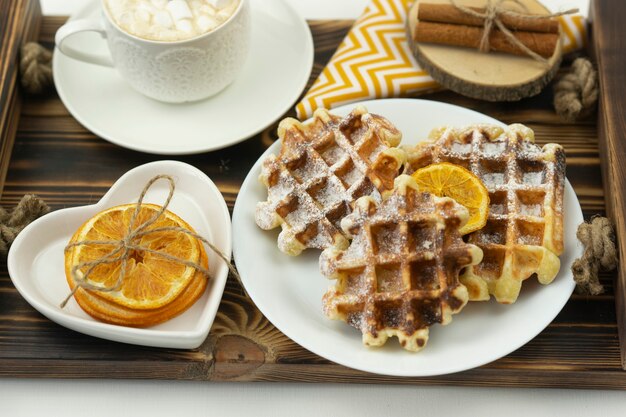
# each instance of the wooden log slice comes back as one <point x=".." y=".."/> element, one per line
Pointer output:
<point x="489" y="76"/>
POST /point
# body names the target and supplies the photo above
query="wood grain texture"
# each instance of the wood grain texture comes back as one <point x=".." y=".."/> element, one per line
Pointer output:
<point x="20" y="21"/>
<point x="60" y="161"/>
<point x="610" y="51"/>
<point x="490" y="76"/>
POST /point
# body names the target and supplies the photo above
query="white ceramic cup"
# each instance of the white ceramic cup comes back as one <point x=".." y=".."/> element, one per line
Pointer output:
<point x="173" y="72"/>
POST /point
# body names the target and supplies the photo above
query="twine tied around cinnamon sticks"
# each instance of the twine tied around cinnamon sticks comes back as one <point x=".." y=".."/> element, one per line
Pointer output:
<point x="493" y="15"/>
<point x="124" y="247"/>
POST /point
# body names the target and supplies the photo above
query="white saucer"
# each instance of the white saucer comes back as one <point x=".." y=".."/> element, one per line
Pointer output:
<point x="36" y="260"/>
<point x="288" y="290"/>
<point x="276" y="72"/>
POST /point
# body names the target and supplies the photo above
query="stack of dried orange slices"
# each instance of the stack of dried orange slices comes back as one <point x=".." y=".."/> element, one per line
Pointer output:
<point x="154" y="289"/>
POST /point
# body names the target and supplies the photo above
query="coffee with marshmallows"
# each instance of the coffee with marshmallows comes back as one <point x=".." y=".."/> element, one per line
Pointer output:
<point x="170" y="20"/>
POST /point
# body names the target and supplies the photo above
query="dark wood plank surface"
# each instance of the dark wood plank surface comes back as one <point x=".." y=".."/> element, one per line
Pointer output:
<point x="611" y="56"/>
<point x="20" y="21"/>
<point x="60" y="161"/>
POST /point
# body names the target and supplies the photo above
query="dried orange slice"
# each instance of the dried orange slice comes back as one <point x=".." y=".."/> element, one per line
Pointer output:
<point x="449" y="180"/>
<point x="151" y="281"/>
<point x="109" y="312"/>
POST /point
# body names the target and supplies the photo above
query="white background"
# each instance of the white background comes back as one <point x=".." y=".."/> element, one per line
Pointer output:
<point x="23" y="397"/>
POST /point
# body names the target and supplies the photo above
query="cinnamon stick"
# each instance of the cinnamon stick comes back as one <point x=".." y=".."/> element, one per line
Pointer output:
<point x="470" y="36"/>
<point x="447" y="13"/>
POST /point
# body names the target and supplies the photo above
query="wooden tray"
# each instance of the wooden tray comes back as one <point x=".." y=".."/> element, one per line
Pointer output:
<point x="66" y="165"/>
<point x="610" y="52"/>
<point x="20" y="21"/>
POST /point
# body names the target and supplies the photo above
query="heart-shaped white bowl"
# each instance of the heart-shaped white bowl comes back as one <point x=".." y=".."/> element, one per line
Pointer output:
<point x="36" y="258"/>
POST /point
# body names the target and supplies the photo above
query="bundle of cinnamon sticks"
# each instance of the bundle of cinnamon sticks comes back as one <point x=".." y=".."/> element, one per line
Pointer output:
<point x="448" y="25"/>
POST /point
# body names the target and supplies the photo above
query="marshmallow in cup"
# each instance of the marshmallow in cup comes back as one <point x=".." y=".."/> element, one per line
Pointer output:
<point x="173" y="51"/>
<point x="172" y="20"/>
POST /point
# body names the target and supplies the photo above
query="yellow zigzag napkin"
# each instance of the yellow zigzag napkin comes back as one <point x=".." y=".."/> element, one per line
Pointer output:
<point x="375" y="60"/>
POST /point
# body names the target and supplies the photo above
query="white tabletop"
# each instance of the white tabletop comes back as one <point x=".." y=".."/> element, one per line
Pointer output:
<point x="26" y="397"/>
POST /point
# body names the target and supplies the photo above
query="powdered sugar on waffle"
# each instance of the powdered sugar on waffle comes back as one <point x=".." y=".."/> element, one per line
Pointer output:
<point x="323" y="167"/>
<point x="399" y="275"/>
<point x="524" y="231"/>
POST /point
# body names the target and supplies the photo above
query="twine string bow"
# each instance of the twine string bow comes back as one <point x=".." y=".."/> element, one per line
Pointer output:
<point x="600" y="254"/>
<point x="125" y="247"/>
<point x="35" y="68"/>
<point x="491" y="16"/>
<point x="576" y="92"/>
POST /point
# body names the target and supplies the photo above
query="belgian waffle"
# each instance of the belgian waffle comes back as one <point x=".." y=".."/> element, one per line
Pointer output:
<point x="524" y="231"/>
<point x="322" y="168"/>
<point x="400" y="273"/>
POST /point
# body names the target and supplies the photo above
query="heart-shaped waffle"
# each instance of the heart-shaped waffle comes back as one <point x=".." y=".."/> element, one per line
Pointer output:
<point x="400" y="273"/>
<point x="323" y="167"/>
<point x="524" y="231"/>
